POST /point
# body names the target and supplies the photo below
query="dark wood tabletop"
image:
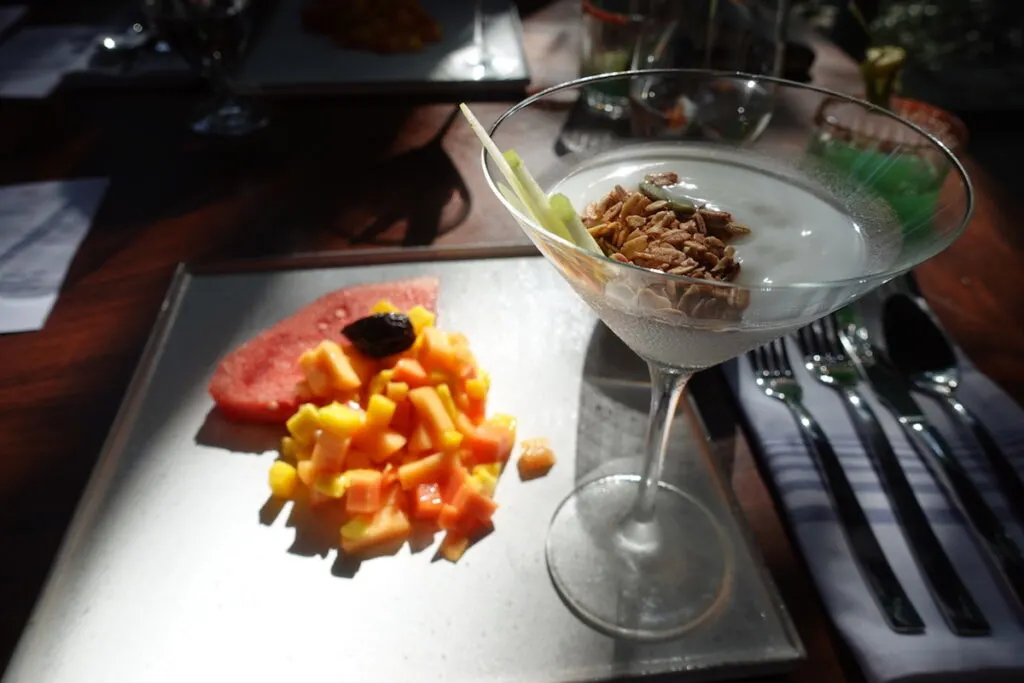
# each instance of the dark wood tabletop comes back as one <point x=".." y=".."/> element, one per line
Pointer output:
<point x="303" y="185"/>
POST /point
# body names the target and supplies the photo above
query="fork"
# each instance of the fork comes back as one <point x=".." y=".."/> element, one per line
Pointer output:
<point x="774" y="375"/>
<point x="828" y="362"/>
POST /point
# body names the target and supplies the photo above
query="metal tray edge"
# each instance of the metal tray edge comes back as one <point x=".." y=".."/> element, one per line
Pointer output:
<point x="110" y="453"/>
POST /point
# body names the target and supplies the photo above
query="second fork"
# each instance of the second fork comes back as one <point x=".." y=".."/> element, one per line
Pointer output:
<point x="774" y="376"/>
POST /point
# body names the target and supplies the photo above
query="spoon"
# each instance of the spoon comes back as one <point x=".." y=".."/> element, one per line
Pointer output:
<point x="919" y="349"/>
<point x="134" y="38"/>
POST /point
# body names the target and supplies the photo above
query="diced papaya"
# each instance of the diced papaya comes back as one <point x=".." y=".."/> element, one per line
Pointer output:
<point x="303" y="425"/>
<point x="341" y="420"/>
<point x="436" y="352"/>
<point x="402" y="420"/>
<point x="420" y="440"/>
<point x="477" y="411"/>
<point x="410" y="372"/>
<point x="364" y="366"/>
<point x="430" y="469"/>
<point x="338" y="366"/>
<point x="330" y="452"/>
<point x="453" y="546"/>
<point x="420" y="318"/>
<point x="428" y="501"/>
<point x="379" y="411"/>
<point x="283" y="479"/>
<point x="389" y="477"/>
<point x="389" y="525"/>
<point x="463" y="424"/>
<point x="381" y="445"/>
<point x="472" y="502"/>
<point x="365" y="492"/>
<point x="489" y="442"/>
<point x="358" y="459"/>
<point x="306" y="472"/>
<point x="431" y="411"/>
<point x="457" y="477"/>
<point x="536" y="460"/>
<point x="316" y="377"/>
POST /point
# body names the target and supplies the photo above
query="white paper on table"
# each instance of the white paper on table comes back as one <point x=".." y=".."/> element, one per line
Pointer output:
<point x="34" y="61"/>
<point x="41" y="226"/>
<point x="10" y="15"/>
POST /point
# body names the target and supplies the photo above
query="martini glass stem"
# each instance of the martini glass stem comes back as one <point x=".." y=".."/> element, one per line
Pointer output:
<point x="667" y="386"/>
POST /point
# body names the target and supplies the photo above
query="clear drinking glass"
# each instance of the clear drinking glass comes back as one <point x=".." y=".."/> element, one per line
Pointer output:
<point x="211" y="35"/>
<point x="632" y="555"/>
<point x="620" y="35"/>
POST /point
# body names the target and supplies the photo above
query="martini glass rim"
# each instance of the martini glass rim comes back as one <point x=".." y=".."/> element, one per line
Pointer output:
<point x="884" y="274"/>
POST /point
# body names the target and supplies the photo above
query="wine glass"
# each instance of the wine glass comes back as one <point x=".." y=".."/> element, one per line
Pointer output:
<point x="210" y="35"/>
<point x="630" y="554"/>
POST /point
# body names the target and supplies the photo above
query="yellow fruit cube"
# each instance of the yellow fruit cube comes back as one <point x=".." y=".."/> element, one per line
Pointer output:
<point x="338" y="366"/>
<point x="283" y="479"/>
<point x="356" y="527"/>
<point x="384" y="306"/>
<point x="447" y="401"/>
<point x="380" y="381"/>
<point x="379" y="411"/>
<point x="477" y="388"/>
<point x="487" y="479"/>
<point x="437" y="377"/>
<point x="397" y="391"/>
<point x="303" y="425"/>
<point x="501" y="420"/>
<point x="420" y="318"/>
<point x="451" y="440"/>
<point x="317" y="379"/>
<point x="341" y="420"/>
<point x="332" y="485"/>
<point x="289" y="449"/>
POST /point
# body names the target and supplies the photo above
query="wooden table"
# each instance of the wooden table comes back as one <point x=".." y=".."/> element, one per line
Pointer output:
<point x="300" y="186"/>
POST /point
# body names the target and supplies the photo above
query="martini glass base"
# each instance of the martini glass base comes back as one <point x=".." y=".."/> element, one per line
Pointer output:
<point x="646" y="581"/>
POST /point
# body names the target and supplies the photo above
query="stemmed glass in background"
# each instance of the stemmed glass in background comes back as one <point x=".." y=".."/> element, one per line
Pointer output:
<point x="211" y="35"/>
<point x="620" y="35"/>
<point x="631" y="554"/>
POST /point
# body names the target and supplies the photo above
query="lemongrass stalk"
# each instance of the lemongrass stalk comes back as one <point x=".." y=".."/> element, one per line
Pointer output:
<point x="562" y="208"/>
<point x="535" y="197"/>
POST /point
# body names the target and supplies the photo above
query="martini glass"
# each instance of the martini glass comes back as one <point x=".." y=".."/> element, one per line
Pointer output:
<point x="633" y="555"/>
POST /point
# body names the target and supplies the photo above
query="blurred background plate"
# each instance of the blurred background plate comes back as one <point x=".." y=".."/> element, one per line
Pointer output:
<point x="285" y="59"/>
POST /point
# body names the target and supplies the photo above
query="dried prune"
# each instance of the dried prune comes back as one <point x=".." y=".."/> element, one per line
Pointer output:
<point x="381" y="334"/>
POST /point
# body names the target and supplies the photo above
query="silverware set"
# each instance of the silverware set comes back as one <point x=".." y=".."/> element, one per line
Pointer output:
<point x="842" y="354"/>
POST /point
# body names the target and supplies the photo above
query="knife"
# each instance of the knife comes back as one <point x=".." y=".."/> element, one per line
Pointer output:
<point x="894" y="393"/>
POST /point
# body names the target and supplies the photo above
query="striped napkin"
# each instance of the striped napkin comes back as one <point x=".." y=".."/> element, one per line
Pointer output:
<point x="884" y="656"/>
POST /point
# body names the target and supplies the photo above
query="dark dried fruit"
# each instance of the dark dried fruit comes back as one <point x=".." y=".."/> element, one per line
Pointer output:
<point x="381" y="334"/>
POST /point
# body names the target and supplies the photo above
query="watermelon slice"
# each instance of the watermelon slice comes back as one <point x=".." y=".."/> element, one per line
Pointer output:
<point x="256" y="382"/>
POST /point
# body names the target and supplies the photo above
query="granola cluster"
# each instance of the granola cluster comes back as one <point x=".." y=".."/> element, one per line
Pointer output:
<point x="639" y="228"/>
<point x="647" y="228"/>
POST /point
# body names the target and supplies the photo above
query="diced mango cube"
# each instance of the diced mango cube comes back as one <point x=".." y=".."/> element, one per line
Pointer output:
<point x="356" y="527"/>
<point x="451" y="440"/>
<point x="397" y="391"/>
<point x="339" y="367"/>
<point x="341" y="419"/>
<point x="477" y="388"/>
<point x="290" y="449"/>
<point x="379" y="411"/>
<point x="283" y="479"/>
<point x="486" y="477"/>
<point x="330" y="452"/>
<point x="420" y="318"/>
<point x="303" y="425"/>
<point x="445" y="394"/>
<point x="379" y="383"/>
<point x="431" y="411"/>
<point x="384" y="306"/>
<point x="332" y="485"/>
